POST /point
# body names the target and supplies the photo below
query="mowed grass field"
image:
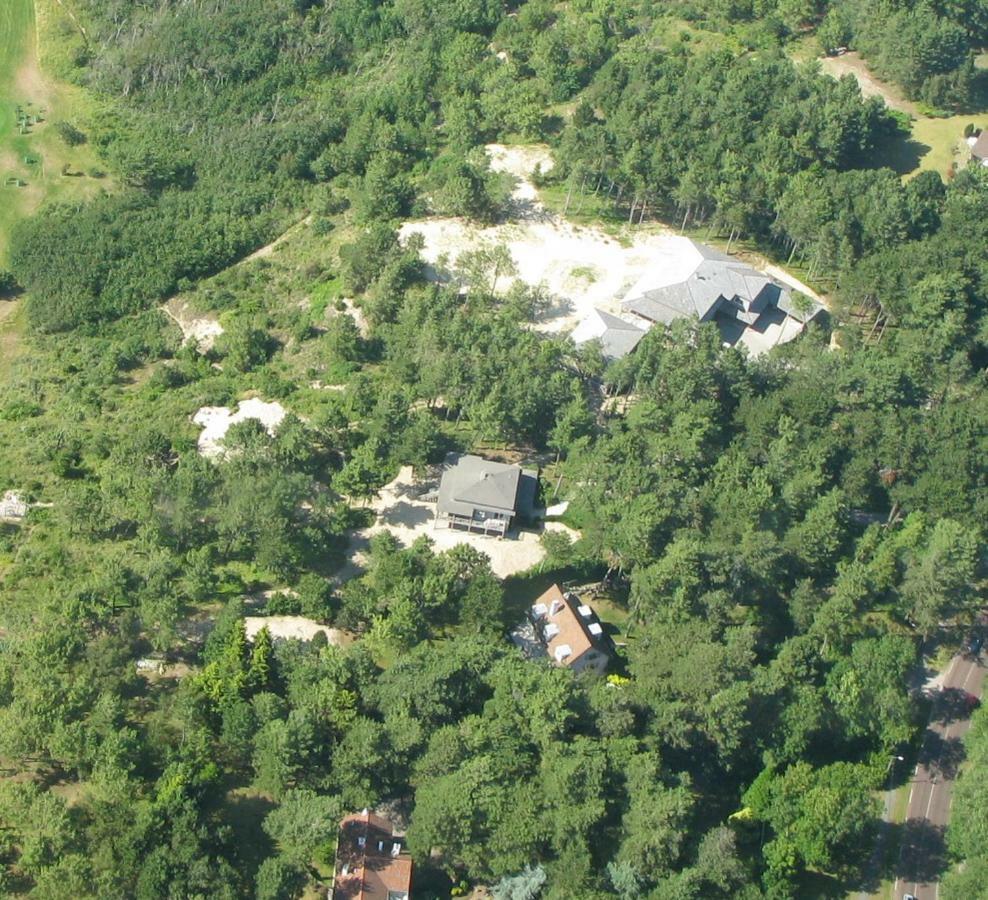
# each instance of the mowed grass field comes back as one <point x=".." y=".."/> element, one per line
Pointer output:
<point x="35" y="163"/>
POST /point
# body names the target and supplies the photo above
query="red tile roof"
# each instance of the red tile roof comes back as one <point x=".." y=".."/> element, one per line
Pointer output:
<point x="371" y="860"/>
<point x="571" y="631"/>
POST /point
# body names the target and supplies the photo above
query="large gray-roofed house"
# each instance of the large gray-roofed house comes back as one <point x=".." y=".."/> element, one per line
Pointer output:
<point x="723" y="289"/>
<point x="479" y="494"/>
<point x="616" y="336"/>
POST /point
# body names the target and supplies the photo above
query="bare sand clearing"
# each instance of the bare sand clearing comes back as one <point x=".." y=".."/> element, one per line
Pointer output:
<point x="198" y="328"/>
<point x="580" y="268"/>
<point x="216" y="421"/>
<point x="285" y="627"/>
<point x="400" y="512"/>
<point x="355" y="313"/>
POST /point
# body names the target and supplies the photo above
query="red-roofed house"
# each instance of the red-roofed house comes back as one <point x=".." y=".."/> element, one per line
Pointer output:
<point x="371" y="860"/>
<point x="570" y="631"/>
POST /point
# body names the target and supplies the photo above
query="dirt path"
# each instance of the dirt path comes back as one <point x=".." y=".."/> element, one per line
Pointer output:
<point x="200" y="329"/>
<point x="853" y="64"/>
<point x="268" y="249"/>
<point x="7" y="309"/>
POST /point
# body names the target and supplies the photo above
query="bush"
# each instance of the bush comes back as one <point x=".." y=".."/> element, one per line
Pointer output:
<point x="8" y="283"/>
<point x="71" y="135"/>
<point x="278" y="880"/>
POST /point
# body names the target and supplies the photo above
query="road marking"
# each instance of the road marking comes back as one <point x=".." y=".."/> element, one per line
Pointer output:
<point x="970" y="672"/>
<point x="945" y="731"/>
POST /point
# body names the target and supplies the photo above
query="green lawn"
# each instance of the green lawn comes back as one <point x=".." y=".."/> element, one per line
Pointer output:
<point x="16" y="34"/>
<point x="945" y="140"/>
<point x="36" y="156"/>
<point x="16" y="28"/>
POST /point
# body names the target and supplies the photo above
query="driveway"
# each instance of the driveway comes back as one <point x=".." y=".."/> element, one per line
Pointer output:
<point x="922" y="857"/>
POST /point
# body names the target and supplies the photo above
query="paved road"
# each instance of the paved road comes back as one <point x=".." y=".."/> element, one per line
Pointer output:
<point x="923" y="853"/>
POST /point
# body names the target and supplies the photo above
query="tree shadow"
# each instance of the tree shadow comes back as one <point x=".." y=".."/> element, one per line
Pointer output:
<point x="922" y="851"/>
<point x="954" y="705"/>
<point x="900" y="152"/>
<point x="408" y="515"/>
<point x="942" y="756"/>
<point x="251" y="845"/>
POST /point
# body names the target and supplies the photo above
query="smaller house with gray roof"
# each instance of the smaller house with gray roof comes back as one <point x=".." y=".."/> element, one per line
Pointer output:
<point x="481" y="495"/>
<point x="616" y="336"/>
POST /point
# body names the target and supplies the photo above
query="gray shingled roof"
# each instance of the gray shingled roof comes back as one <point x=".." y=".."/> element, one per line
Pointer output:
<point x="719" y="284"/>
<point x="980" y="148"/>
<point x="617" y="337"/>
<point x="476" y="483"/>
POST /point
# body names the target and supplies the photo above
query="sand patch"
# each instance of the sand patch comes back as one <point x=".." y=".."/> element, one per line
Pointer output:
<point x="283" y="628"/>
<point x="198" y="329"/>
<point x="401" y="512"/>
<point x="216" y="421"/>
<point x="13" y="507"/>
<point x="355" y="313"/>
<point x="522" y="162"/>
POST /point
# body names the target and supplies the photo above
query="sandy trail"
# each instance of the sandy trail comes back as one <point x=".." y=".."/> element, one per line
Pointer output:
<point x="268" y="249"/>
<point x="853" y="64"/>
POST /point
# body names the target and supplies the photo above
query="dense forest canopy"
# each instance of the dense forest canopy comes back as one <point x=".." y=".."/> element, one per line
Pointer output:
<point x="784" y="536"/>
